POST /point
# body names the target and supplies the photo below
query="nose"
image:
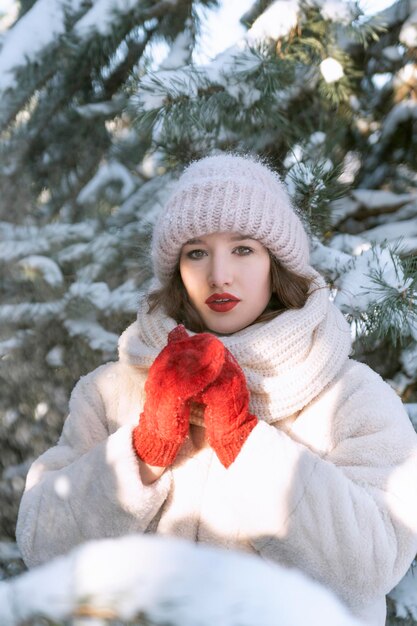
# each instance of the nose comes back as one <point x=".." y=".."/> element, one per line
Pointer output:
<point x="220" y="271"/>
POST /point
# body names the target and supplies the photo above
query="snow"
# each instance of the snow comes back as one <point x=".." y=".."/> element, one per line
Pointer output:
<point x="124" y="298"/>
<point x="149" y="199"/>
<point x="88" y="298"/>
<point x="109" y="108"/>
<point x="282" y="16"/>
<point x="335" y="10"/>
<point x="411" y="409"/>
<point x="44" y="266"/>
<point x="26" y="312"/>
<point x="392" y="231"/>
<point x="93" y="333"/>
<point x="294" y="156"/>
<point x="331" y="70"/>
<point x="101" y="17"/>
<point x="106" y="174"/>
<point x="394" y="13"/>
<point x="301" y="173"/>
<point x="408" y="245"/>
<point x="400" y="113"/>
<point x="8" y="14"/>
<point x="244" y="93"/>
<point x="11" y="250"/>
<point x="31" y="35"/>
<point x="179" y="53"/>
<point x="237" y="58"/>
<point x="277" y="21"/>
<point x="73" y="253"/>
<point x="357" y="289"/>
<point x="406" y="76"/>
<point x="96" y="293"/>
<point x="409" y="360"/>
<point x="155" y="87"/>
<point x="351" y="244"/>
<point x="41" y="409"/>
<point x="381" y="199"/>
<point x="351" y="165"/>
<point x="328" y="260"/>
<point x="45" y="22"/>
<point x="9" y="345"/>
<point x="8" y="551"/>
<point x="24" y="241"/>
<point x="342" y="208"/>
<point x="405" y="596"/>
<point x="408" y="33"/>
<point x="392" y="53"/>
<point x="104" y="248"/>
<point x="55" y="357"/>
<point x="169" y="580"/>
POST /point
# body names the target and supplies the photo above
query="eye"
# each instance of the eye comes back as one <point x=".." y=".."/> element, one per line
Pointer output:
<point x="195" y="254"/>
<point x="243" y="250"/>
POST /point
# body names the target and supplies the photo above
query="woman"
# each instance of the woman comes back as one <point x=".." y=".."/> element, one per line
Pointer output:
<point x="256" y="431"/>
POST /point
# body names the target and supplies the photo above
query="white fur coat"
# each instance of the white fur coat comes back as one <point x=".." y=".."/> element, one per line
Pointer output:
<point x="328" y="487"/>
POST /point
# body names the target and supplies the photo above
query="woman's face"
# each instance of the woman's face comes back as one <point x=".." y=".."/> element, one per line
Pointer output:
<point x="227" y="279"/>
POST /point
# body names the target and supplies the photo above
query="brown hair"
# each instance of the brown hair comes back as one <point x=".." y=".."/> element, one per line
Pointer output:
<point x="289" y="291"/>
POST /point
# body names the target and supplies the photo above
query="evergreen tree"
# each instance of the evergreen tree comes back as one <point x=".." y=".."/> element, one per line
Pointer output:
<point x="94" y="130"/>
<point x="73" y="207"/>
<point x="326" y="96"/>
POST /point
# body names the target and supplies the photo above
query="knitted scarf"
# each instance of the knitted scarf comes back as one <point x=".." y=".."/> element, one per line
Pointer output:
<point x="287" y="361"/>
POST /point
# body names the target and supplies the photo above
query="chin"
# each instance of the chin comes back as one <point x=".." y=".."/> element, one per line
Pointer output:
<point x="225" y="327"/>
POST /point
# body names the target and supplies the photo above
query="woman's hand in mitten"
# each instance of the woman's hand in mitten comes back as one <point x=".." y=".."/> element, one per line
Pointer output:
<point x="181" y="370"/>
<point x="227" y="419"/>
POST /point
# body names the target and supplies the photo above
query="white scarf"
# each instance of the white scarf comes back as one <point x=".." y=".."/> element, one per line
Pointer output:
<point x="287" y="361"/>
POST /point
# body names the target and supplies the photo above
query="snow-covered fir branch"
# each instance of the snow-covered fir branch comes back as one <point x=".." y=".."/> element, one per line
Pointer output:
<point x="167" y="581"/>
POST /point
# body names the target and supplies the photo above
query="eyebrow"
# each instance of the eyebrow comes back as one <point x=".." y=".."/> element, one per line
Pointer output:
<point x="237" y="237"/>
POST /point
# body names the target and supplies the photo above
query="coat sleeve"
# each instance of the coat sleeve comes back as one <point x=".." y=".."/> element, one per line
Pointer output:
<point x="347" y="517"/>
<point x="87" y="486"/>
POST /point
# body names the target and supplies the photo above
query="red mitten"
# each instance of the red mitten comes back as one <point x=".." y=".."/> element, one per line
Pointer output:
<point x="227" y="419"/>
<point x="181" y="370"/>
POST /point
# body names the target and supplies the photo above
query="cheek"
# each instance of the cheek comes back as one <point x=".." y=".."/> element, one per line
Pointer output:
<point x="189" y="276"/>
<point x="261" y="277"/>
<point x="267" y="289"/>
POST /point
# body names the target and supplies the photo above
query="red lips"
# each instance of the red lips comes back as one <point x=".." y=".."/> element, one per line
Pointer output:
<point x="222" y="302"/>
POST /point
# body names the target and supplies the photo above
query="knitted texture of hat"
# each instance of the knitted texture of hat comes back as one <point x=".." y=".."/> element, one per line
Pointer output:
<point x="229" y="193"/>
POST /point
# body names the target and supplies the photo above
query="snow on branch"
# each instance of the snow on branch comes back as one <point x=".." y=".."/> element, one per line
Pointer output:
<point x="275" y="22"/>
<point x="13" y="343"/>
<point x="405" y="596"/>
<point x="100" y="18"/>
<point x="180" y="51"/>
<point x="168" y="581"/>
<point x="32" y="35"/>
<point x="378" y="293"/>
<point x="401" y="112"/>
<point x="373" y="286"/>
<point x="44" y="267"/>
<point x="26" y="312"/>
<point x="381" y="199"/>
<point x="392" y="231"/>
<point x="97" y="337"/>
<point x="408" y="33"/>
<point x="110" y="172"/>
<point x="159" y="87"/>
<point x="22" y="241"/>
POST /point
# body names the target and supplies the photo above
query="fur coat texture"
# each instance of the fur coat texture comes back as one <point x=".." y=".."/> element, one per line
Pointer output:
<point x="326" y="481"/>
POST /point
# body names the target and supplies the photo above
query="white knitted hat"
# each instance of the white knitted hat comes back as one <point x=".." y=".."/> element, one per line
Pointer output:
<point x="229" y="193"/>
